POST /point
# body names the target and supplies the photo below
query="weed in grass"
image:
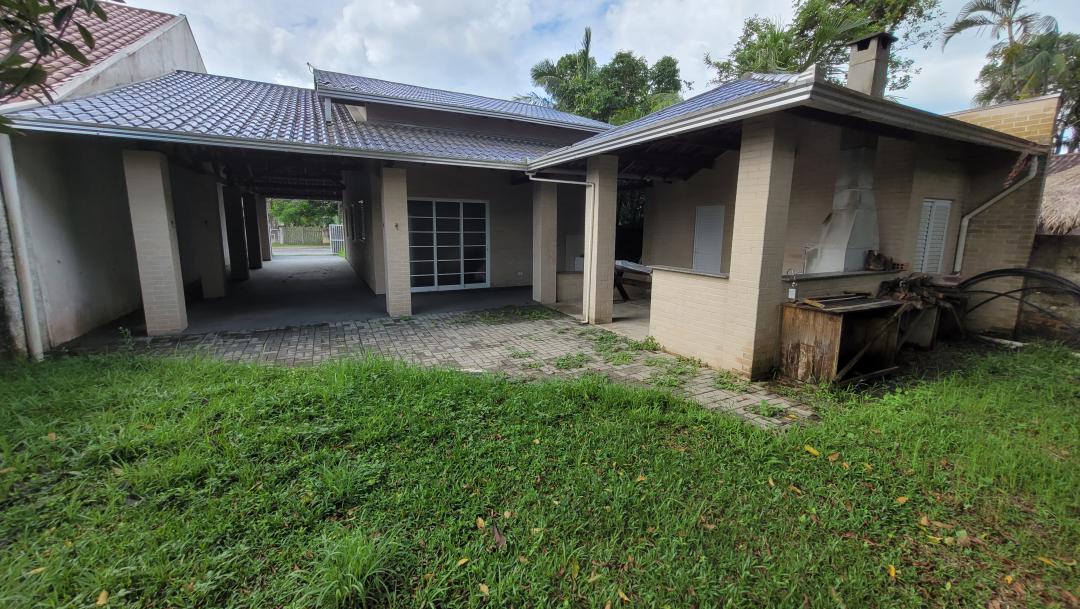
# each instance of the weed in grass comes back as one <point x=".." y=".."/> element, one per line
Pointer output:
<point x="533" y="365"/>
<point x="509" y="314"/>
<point x="614" y="348"/>
<point x="672" y="372"/>
<point x="520" y="354"/>
<point x="196" y="483"/>
<point x="766" y="408"/>
<point x="729" y="381"/>
<point x="571" y="361"/>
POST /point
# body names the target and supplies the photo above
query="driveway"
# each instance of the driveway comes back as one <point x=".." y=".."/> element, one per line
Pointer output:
<point x="523" y="342"/>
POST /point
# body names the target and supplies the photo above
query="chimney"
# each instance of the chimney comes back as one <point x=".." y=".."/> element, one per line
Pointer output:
<point x="869" y="63"/>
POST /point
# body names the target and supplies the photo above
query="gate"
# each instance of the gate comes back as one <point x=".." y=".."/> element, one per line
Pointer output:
<point x="337" y="238"/>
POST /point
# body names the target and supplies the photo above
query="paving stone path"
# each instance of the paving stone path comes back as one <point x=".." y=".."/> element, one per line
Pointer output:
<point x="521" y="342"/>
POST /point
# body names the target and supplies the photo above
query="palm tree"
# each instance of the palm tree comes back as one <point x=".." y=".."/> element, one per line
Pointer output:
<point x="556" y="78"/>
<point x="1001" y="17"/>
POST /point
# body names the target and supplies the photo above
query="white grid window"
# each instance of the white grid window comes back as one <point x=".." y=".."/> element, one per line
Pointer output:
<point x="448" y="244"/>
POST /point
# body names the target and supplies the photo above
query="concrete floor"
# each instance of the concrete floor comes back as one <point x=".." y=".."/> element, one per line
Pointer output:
<point x="306" y="289"/>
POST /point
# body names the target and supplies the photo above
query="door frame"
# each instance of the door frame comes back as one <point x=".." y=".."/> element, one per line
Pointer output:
<point x="461" y="246"/>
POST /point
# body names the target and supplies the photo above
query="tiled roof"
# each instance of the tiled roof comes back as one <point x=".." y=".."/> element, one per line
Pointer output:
<point x="723" y="94"/>
<point x="192" y="103"/>
<point x="1061" y="162"/>
<point x="125" y="26"/>
<point x="451" y="100"/>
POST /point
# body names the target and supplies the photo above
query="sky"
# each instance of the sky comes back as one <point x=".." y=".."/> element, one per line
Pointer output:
<point x="487" y="46"/>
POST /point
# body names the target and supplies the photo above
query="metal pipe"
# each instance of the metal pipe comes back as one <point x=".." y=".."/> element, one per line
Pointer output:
<point x="23" y="274"/>
<point x="533" y="178"/>
<point x="961" y="243"/>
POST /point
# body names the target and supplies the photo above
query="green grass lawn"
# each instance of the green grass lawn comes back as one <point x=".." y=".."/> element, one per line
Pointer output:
<point x="186" y="483"/>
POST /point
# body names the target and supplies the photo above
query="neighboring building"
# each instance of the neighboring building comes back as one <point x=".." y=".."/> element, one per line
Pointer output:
<point x="129" y="195"/>
<point x="134" y="44"/>
<point x="1057" y="250"/>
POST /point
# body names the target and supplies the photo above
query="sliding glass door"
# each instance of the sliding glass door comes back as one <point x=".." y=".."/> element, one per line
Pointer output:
<point x="448" y="244"/>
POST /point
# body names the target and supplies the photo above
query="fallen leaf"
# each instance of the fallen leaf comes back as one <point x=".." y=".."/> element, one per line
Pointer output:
<point x="462" y="561"/>
<point x="594" y="577"/>
<point x="536" y="441"/>
<point x="1008" y="580"/>
<point x="795" y="489"/>
<point x="811" y="450"/>
<point x="771" y="483"/>
<point x="869" y="468"/>
<point x="833" y="457"/>
<point x="484" y="589"/>
<point x="845" y="465"/>
<point x="640" y="478"/>
<point x="523" y="559"/>
<point x="901" y="500"/>
<point x="102" y="598"/>
<point x="575" y="568"/>
<point x="607" y="605"/>
<point x="1047" y="561"/>
<point x="51" y="436"/>
<point x="892" y="572"/>
<point x="428" y="576"/>
<point x="7" y="470"/>
<point x="480" y="524"/>
<point x="36" y="571"/>
<point x="622" y="595"/>
<point x="924" y="521"/>
<point x="506" y="514"/>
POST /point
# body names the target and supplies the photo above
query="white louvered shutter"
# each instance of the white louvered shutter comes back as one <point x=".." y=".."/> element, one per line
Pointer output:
<point x="930" y="242"/>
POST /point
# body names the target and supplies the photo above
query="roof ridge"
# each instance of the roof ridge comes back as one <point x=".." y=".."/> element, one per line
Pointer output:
<point x="406" y="84"/>
<point x="127" y="6"/>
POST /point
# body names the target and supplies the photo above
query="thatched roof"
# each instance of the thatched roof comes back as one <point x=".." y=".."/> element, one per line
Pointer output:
<point x="1060" y="211"/>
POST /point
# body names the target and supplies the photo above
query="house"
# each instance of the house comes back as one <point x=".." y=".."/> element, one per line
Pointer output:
<point x="762" y="184"/>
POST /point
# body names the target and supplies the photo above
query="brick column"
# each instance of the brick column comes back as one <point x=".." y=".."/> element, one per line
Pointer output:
<point x="762" y="195"/>
<point x="598" y="281"/>
<point x="251" y="230"/>
<point x="156" y="251"/>
<point x="261" y="204"/>
<point x="545" y="247"/>
<point x="395" y="221"/>
<point x="236" y="233"/>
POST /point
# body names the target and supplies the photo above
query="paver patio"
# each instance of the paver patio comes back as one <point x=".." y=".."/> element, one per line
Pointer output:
<point x="523" y="343"/>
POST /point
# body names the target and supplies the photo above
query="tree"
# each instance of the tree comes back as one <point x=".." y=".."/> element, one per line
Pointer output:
<point x="623" y="89"/>
<point x="1047" y="63"/>
<point x="1001" y="17"/>
<point x="39" y="29"/>
<point x="303" y="212"/>
<point x="820" y="33"/>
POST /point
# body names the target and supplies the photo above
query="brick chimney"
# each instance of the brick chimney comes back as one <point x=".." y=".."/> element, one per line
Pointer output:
<point x="869" y="63"/>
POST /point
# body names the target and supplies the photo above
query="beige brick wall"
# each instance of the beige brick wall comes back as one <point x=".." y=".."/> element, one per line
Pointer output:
<point x="734" y="322"/>
<point x="671" y="209"/>
<point x="1031" y="119"/>
<point x="154" y="227"/>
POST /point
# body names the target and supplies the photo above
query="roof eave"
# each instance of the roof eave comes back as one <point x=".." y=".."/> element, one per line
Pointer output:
<point x="157" y="135"/>
<point x="771" y="100"/>
<point x="347" y="95"/>
<point x="841" y="100"/>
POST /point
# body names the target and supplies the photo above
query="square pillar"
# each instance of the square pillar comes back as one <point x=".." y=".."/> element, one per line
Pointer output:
<point x="236" y="234"/>
<point x="545" y="246"/>
<point x="762" y="196"/>
<point x="251" y="230"/>
<point x="598" y="280"/>
<point x="157" y="252"/>
<point x="262" y="209"/>
<point x="212" y="251"/>
<point x="395" y="221"/>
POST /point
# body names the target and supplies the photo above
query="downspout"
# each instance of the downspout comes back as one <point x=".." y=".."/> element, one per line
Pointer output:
<point x="586" y="278"/>
<point x="958" y="259"/>
<point x="23" y="275"/>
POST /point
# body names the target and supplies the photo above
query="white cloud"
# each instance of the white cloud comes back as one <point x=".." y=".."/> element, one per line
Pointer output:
<point x="487" y="47"/>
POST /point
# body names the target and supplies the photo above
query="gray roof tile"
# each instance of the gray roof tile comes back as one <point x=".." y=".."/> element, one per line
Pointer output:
<point x="723" y="94"/>
<point x="204" y="104"/>
<point x="466" y="102"/>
